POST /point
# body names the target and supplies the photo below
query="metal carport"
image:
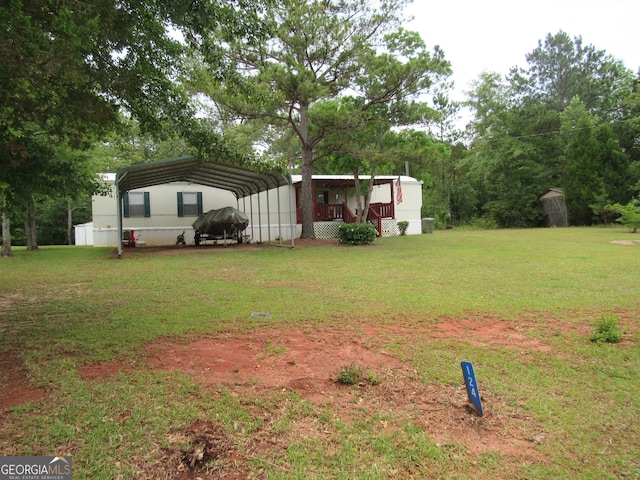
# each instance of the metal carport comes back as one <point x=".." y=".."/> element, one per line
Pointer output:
<point x="241" y="181"/>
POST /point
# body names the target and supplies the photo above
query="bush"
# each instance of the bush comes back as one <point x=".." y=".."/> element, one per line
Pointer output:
<point x="629" y="214"/>
<point x="403" y="225"/>
<point x="356" y="233"/>
<point x="606" y="331"/>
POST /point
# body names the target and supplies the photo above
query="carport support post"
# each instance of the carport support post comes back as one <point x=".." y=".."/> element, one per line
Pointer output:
<point x="253" y="236"/>
<point x="119" y="219"/>
<point x="268" y="218"/>
<point x="293" y="225"/>
<point x="259" y="218"/>
<point x="279" y="219"/>
<point x="244" y="208"/>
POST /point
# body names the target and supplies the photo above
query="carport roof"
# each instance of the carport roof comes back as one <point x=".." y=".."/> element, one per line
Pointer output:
<point x="239" y="180"/>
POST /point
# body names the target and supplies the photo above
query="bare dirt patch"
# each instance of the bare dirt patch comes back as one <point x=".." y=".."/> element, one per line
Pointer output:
<point x="303" y="361"/>
<point x="478" y="331"/>
<point x="15" y="387"/>
<point x="628" y="243"/>
<point x="213" y="248"/>
<point x="306" y="361"/>
<point x="266" y="363"/>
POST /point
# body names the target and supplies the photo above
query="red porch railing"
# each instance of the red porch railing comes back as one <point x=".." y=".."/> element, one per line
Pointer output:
<point x="347" y="214"/>
<point x="329" y="212"/>
<point x="384" y="210"/>
<point x="374" y="217"/>
<point x="336" y="211"/>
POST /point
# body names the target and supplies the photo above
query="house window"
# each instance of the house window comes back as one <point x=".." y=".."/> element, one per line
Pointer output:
<point x="136" y="204"/>
<point x="189" y="204"/>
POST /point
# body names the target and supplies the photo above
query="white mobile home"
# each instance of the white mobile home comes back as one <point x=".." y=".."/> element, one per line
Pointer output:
<point x="157" y="211"/>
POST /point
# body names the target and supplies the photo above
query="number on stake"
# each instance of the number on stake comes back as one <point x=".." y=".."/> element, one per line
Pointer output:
<point x="472" y="390"/>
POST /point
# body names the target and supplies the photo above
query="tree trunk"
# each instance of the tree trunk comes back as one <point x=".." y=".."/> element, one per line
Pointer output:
<point x="30" y="225"/>
<point x="356" y="182"/>
<point x="307" y="200"/>
<point x="364" y="213"/>
<point x="69" y="223"/>
<point x="6" y="232"/>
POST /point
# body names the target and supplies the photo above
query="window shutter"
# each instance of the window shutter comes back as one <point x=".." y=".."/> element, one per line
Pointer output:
<point x="199" y="203"/>
<point x="180" y="205"/>
<point x="125" y="204"/>
<point x="147" y="205"/>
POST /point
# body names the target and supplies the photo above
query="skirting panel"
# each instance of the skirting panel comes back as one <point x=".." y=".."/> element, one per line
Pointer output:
<point x="326" y="230"/>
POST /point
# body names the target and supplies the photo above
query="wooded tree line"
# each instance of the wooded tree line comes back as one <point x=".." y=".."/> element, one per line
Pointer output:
<point x="569" y="119"/>
<point x="311" y="86"/>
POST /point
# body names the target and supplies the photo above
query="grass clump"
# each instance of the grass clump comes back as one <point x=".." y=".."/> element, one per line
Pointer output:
<point x="356" y="374"/>
<point x="350" y="375"/>
<point x="606" y="330"/>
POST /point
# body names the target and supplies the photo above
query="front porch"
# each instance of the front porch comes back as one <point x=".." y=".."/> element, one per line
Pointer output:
<point x="328" y="217"/>
<point x="335" y="203"/>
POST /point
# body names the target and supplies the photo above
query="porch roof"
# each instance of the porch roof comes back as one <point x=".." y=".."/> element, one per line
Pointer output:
<point x="345" y="180"/>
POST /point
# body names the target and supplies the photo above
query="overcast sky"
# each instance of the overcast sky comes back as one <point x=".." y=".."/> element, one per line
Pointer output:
<point x="495" y="35"/>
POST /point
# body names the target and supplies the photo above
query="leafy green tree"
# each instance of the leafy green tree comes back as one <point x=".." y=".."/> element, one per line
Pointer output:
<point x="420" y="153"/>
<point x="627" y="129"/>
<point x="369" y="143"/>
<point x="73" y="181"/>
<point x="596" y="171"/>
<point x="457" y="202"/>
<point x="447" y="114"/>
<point x="28" y="162"/>
<point x="130" y="146"/>
<point x="629" y="214"/>
<point x="563" y="68"/>
<point x="370" y="148"/>
<point x="507" y="175"/>
<point x="320" y="51"/>
<point x="57" y="216"/>
<point x="38" y="170"/>
<point x="70" y="68"/>
<point x="581" y="179"/>
<point x="429" y="160"/>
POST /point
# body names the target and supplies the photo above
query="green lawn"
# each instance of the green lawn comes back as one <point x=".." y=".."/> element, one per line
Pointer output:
<point x="65" y="307"/>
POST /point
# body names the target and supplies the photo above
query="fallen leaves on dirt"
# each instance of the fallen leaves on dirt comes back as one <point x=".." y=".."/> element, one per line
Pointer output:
<point x="201" y="451"/>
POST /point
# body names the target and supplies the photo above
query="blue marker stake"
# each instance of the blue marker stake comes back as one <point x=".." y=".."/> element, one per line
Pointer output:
<point x="472" y="387"/>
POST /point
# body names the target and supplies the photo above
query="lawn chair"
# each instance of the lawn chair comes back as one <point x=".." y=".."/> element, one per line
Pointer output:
<point x="128" y="239"/>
